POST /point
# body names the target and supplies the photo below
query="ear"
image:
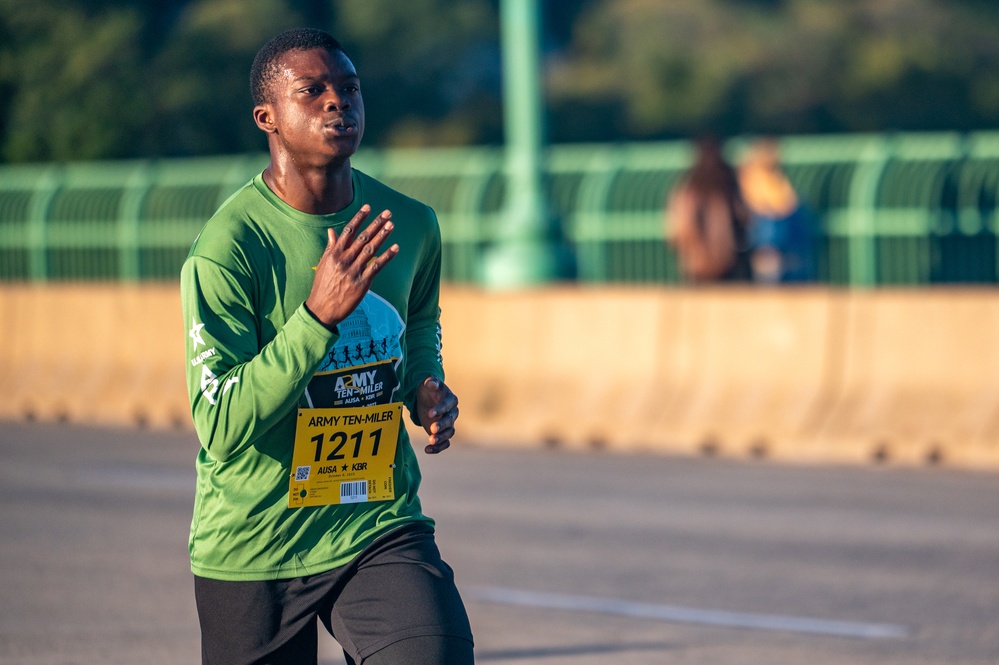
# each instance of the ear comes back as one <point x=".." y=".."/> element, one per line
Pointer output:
<point x="263" y="115"/>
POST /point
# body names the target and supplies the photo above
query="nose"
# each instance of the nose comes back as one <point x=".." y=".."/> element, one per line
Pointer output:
<point x="335" y="102"/>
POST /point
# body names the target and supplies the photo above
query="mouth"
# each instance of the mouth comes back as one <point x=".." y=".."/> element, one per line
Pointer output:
<point x="341" y="127"/>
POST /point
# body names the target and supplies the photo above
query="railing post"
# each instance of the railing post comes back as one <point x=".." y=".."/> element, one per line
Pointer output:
<point x="528" y="250"/>
<point x="862" y="257"/>
<point x="591" y="235"/>
<point x="129" y="247"/>
<point x="41" y="202"/>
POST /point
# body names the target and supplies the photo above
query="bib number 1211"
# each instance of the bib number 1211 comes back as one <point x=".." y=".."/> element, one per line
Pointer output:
<point x="344" y="455"/>
<point x="337" y="440"/>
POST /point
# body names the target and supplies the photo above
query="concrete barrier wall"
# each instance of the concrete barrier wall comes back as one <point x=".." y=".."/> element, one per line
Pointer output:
<point x="807" y="375"/>
<point x="810" y="375"/>
<point x="93" y="354"/>
<point x="919" y="379"/>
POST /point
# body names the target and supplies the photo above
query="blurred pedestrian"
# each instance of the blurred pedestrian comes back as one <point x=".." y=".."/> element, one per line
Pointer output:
<point x="706" y="220"/>
<point x="780" y="227"/>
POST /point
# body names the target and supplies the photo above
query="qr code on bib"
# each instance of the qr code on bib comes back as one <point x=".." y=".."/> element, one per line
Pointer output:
<point x="302" y="473"/>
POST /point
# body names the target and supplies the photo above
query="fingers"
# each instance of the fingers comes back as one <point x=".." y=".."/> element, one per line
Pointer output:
<point x="342" y="244"/>
<point x="351" y="237"/>
<point x="356" y="250"/>
<point x="444" y="415"/>
<point x="362" y="249"/>
<point x="434" y="449"/>
<point x="441" y="416"/>
<point x="445" y="407"/>
<point x="348" y="266"/>
<point x="376" y="264"/>
<point x="351" y="228"/>
<point x="374" y="234"/>
<point x="441" y="433"/>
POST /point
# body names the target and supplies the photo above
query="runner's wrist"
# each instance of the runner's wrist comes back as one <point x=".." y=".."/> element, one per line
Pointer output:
<point x="332" y="328"/>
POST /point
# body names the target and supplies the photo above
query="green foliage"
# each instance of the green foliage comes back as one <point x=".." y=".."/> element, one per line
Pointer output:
<point x="660" y="69"/>
<point x="84" y="84"/>
<point x="429" y="68"/>
<point x="200" y="78"/>
<point x="74" y="89"/>
<point x="121" y="78"/>
<point x="87" y="79"/>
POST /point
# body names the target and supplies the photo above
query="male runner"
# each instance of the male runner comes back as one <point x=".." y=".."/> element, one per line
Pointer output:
<point x="304" y="344"/>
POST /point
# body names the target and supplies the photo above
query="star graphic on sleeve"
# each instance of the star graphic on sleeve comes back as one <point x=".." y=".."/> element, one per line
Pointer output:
<point x="195" y="333"/>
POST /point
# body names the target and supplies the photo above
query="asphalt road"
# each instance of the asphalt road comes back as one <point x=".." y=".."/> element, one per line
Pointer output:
<point x="580" y="558"/>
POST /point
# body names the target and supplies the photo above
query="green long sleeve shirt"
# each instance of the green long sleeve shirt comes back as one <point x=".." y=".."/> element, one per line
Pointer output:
<point x="255" y="356"/>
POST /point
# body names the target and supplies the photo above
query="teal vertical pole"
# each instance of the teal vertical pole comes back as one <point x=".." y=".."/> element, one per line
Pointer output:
<point x="130" y="210"/>
<point x="38" y="217"/>
<point x="523" y="119"/>
<point x="526" y="251"/>
<point x="871" y="164"/>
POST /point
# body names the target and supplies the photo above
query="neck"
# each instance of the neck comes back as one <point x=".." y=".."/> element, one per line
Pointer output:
<point x="314" y="190"/>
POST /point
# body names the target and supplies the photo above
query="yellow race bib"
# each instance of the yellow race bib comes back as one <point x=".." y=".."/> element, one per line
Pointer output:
<point x="344" y="455"/>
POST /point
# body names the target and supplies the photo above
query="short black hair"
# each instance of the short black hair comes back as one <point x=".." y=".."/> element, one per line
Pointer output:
<point x="266" y="63"/>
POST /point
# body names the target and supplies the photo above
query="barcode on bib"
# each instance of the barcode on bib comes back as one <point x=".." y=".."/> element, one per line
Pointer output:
<point x="354" y="491"/>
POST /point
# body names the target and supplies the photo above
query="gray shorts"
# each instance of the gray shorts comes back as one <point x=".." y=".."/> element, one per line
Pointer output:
<point x="398" y="588"/>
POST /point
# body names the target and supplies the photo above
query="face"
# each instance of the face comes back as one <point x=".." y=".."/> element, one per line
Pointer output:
<point x="317" y="114"/>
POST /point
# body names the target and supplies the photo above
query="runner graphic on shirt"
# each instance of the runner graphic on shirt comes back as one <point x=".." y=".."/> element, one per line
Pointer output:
<point x="362" y="367"/>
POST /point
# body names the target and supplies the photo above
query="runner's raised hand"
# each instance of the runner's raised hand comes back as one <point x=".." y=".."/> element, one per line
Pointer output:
<point x="348" y="266"/>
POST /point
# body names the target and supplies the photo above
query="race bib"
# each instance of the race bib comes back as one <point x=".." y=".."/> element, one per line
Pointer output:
<point x="344" y="455"/>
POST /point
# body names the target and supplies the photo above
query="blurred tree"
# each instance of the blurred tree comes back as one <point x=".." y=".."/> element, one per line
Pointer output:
<point x="93" y="80"/>
<point x="200" y="76"/>
<point x="72" y="89"/>
<point x="84" y="79"/>
<point x="659" y="69"/>
<point x="430" y="69"/>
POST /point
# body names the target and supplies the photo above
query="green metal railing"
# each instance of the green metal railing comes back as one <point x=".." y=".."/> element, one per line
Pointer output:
<point x="906" y="209"/>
